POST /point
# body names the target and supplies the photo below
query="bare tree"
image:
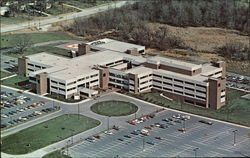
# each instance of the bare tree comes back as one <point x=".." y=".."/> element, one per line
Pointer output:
<point x="23" y="42"/>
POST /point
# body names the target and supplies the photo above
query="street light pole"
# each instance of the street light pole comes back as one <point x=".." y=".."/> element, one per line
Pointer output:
<point x="143" y="144"/>
<point x="235" y="137"/>
<point x="184" y="125"/>
<point x="195" y="152"/>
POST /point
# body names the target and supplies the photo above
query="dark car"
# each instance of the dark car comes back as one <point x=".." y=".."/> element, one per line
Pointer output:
<point x="121" y="139"/>
<point x="3" y="125"/>
<point x="136" y="132"/>
<point x="151" y="143"/>
<point x="206" y="122"/>
<point x="127" y="136"/>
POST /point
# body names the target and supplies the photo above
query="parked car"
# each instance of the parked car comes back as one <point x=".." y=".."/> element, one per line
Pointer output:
<point x="206" y="122"/>
<point x="127" y="136"/>
<point x="136" y="132"/>
<point x="121" y="139"/>
<point x="151" y="143"/>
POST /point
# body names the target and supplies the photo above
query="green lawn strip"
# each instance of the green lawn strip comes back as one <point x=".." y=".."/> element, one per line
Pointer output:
<point x="4" y="74"/>
<point x="13" y="20"/>
<point x="237" y="109"/>
<point x="12" y="82"/>
<point x="57" y="10"/>
<point x="114" y="108"/>
<point x="46" y="133"/>
<point x="56" y="154"/>
<point x="47" y="48"/>
<point x="8" y="40"/>
<point x="86" y="3"/>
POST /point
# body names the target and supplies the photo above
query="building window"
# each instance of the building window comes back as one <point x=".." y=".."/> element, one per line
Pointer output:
<point x="30" y="64"/>
<point x="53" y="81"/>
<point x="189" y="83"/>
<point x="30" y="70"/>
<point x="189" y="94"/>
<point x="157" y="86"/>
<point x="167" y="83"/>
<point x="201" y="91"/>
<point x="62" y="89"/>
<point x="94" y="81"/>
<point x="203" y="98"/>
<point x="177" y="86"/>
<point x="157" y="81"/>
<point x="191" y="89"/>
<point x="38" y="66"/>
<point x="178" y="92"/>
<point x="63" y="84"/>
<point x="178" y="80"/>
<point x="156" y="75"/>
<point x="219" y="85"/>
<point x="201" y="86"/>
<point x="94" y="75"/>
<point x="54" y="87"/>
<point x="168" y="78"/>
<point x="167" y="89"/>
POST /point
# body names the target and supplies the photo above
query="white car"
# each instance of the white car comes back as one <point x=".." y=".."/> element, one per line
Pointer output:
<point x="108" y="132"/>
<point x="4" y="116"/>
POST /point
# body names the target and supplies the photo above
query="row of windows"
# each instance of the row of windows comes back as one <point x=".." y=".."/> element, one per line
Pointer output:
<point x="60" y="83"/>
<point x="145" y="76"/>
<point x="146" y="87"/>
<point x="37" y="66"/>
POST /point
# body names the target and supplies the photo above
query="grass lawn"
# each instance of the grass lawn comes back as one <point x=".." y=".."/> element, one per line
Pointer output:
<point x="12" y="82"/>
<point x="8" y="40"/>
<point x="46" y="133"/>
<point x="13" y="20"/>
<point x="86" y="3"/>
<point x="114" y="108"/>
<point x="47" y="48"/>
<point x="56" y="154"/>
<point x="60" y="10"/>
<point x="4" y="74"/>
<point x="237" y="109"/>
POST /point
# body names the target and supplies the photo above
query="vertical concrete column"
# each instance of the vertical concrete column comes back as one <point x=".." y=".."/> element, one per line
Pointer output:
<point x="23" y="66"/>
<point x="42" y="83"/>
<point x="104" y="78"/>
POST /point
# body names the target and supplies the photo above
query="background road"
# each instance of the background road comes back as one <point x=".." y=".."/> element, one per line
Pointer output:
<point x="70" y="16"/>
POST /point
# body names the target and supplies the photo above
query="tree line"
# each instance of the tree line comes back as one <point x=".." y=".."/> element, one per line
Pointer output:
<point x="132" y="22"/>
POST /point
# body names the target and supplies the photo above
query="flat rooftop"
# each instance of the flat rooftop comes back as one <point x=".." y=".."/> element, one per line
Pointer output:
<point x="173" y="62"/>
<point x="73" y="67"/>
<point x="114" y="45"/>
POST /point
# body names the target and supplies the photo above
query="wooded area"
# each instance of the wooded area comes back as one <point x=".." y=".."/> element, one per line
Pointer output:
<point x="132" y="22"/>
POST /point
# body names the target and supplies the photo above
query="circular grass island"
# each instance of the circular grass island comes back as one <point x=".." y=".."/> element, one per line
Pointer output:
<point x="114" y="108"/>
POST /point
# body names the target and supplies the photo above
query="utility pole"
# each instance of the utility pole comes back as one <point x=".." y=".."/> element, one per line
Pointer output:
<point x="78" y="111"/>
<point x="143" y="144"/>
<point x="184" y="125"/>
<point x="235" y="137"/>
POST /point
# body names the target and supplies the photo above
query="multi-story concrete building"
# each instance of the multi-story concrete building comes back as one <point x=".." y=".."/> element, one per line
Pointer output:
<point x="108" y="63"/>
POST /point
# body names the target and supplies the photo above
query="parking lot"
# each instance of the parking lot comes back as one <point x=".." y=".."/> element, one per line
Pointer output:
<point x="238" y="81"/>
<point x="17" y="108"/>
<point x="166" y="140"/>
<point x="8" y="64"/>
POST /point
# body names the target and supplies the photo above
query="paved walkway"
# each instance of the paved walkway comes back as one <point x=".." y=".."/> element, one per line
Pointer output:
<point x="7" y="77"/>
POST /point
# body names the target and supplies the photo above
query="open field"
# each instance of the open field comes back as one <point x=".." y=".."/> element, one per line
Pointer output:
<point x="56" y="154"/>
<point x="47" y="48"/>
<point x="12" y="82"/>
<point x="13" y="20"/>
<point x="236" y="110"/>
<point x="114" y="108"/>
<point x="8" y="40"/>
<point x="46" y="133"/>
<point x="60" y="9"/>
<point x="86" y="3"/>
<point x="4" y="74"/>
